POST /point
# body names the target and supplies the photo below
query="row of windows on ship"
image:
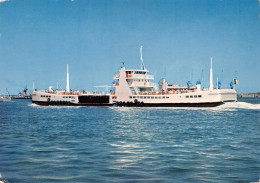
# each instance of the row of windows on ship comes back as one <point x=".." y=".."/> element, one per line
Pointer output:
<point x="141" y="80"/>
<point x="148" y="97"/>
<point x="135" y="72"/>
<point x="137" y="80"/>
<point x="62" y="96"/>
<point x="154" y="97"/>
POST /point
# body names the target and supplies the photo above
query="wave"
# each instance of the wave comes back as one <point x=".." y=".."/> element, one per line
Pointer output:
<point x="53" y="106"/>
<point x="2" y="180"/>
<point x="240" y="105"/>
<point x="33" y="105"/>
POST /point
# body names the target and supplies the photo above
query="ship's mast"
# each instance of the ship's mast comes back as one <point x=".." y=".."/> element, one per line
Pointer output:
<point x="217" y="82"/>
<point x="211" y="78"/>
<point x="68" y="82"/>
<point x="142" y="62"/>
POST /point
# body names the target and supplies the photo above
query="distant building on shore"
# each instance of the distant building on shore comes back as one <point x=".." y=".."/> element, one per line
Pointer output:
<point x="249" y="95"/>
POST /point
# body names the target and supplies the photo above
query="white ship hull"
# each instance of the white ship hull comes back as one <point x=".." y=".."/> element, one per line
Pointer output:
<point x="67" y="99"/>
<point x="193" y="99"/>
<point x="228" y="95"/>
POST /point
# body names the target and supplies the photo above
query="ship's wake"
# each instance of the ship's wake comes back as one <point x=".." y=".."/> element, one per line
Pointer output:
<point x="231" y="106"/>
<point x="2" y="179"/>
<point x="33" y="105"/>
<point x="53" y="106"/>
<point x="239" y="105"/>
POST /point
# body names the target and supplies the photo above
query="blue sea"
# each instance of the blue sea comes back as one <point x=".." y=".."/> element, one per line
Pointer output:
<point x="121" y="144"/>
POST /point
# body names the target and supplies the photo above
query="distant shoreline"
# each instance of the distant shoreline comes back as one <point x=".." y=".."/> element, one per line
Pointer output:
<point x="249" y="95"/>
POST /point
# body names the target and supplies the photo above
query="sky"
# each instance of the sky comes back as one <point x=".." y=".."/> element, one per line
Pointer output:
<point x="38" y="38"/>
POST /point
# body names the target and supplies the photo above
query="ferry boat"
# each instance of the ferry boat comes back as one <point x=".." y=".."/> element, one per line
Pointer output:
<point x="135" y="88"/>
<point x="68" y="97"/>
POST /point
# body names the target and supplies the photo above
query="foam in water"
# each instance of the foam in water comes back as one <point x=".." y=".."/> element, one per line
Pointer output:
<point x="229" y="106"/>
<point x="240" y="105"/>
<point x="2" y="180"/>
<point x="53" y="106"/>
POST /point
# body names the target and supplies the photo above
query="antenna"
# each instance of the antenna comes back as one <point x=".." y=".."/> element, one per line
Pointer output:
<point x="222" y="75"/>
<point x="191" y="75"/>
<point x="68" y="82"/>
<point x="142" y="62"/>
<point x="217" y="82"/>
<point x="211" y="78"/>
<point x="7" y="91"/>
<point x="105" y="86"/>
<point x="164" y="73"/>
<point x="235" y="74"/>
<point x="202" y="75"/>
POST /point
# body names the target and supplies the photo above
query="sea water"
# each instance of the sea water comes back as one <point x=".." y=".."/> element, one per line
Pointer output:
<point x="121" y="144"/>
